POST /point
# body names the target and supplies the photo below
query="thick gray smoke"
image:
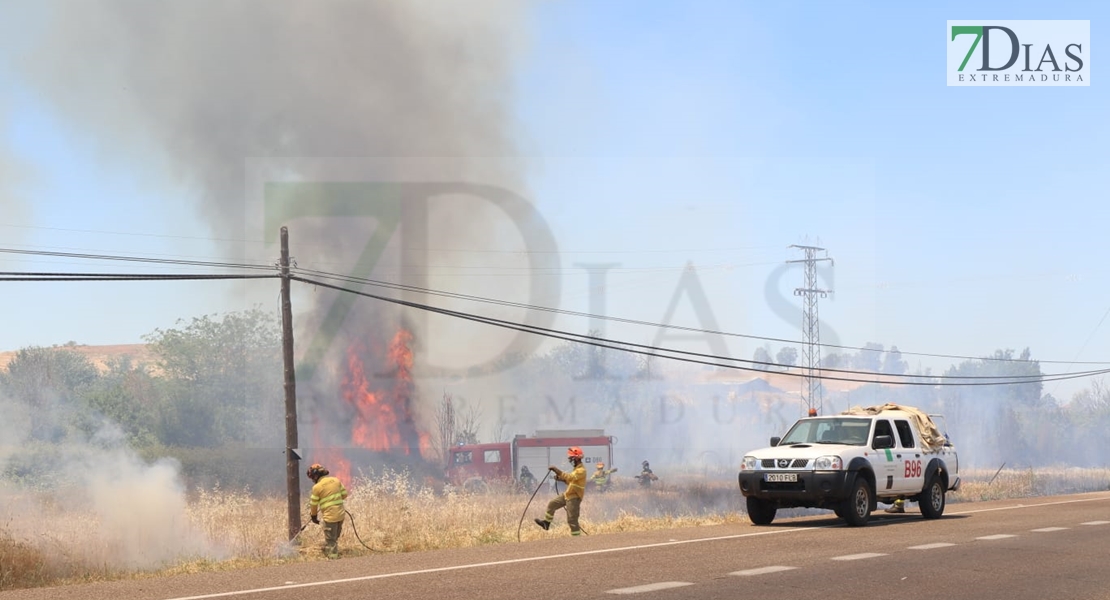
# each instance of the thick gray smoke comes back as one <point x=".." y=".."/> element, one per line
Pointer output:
<point x="13" y="173"/>
<point x="294" y="89"/>
<point x="213" y="83"/>
<point x="205" y="89"/>
<point x="106" y="505"/>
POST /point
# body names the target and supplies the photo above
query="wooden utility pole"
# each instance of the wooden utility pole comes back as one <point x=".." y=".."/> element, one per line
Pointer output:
<point x="292" y="477"/>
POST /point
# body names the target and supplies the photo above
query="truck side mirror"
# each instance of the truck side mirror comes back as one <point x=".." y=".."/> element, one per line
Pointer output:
<point x="775" y="440"/>
<point x="883" y="442"/>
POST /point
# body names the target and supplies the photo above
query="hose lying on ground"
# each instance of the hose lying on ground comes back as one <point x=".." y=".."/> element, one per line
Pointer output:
<point x="355" y="529"/>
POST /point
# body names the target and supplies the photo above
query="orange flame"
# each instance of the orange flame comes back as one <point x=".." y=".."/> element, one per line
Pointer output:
<point x="383" y="418"/>
<point x="331" y="458"/>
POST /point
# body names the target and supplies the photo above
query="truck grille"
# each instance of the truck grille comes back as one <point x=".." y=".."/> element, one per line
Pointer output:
<point x="784" y="463"/>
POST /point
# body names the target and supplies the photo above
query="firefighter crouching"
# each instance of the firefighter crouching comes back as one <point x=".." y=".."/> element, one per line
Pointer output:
<point x="571" y="499"/>
<point x="326" y="503"/>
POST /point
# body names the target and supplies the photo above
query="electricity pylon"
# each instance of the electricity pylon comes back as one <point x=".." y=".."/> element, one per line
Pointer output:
<point x="811" y="327"/>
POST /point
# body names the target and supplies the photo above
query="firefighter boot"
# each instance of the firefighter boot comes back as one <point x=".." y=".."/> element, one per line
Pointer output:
<point x="545" y="524"/>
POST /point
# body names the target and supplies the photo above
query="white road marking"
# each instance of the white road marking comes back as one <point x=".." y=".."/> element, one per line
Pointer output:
<point x="1048" y="529"/>
<point x="1020" y="506"/>
<point x="651" y="587"/>
<point x="604" y="551"/>
<point x="1000" y="536"/>
<point x="761" y="571"/>
<point x="931" y="546"/>
<point x="499" y="562"/>
<point x="858" y="556"/>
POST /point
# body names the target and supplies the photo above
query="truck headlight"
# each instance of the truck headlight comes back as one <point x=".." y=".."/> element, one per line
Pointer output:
<point x="828" y="463"/>
<point x="749" y="463"/>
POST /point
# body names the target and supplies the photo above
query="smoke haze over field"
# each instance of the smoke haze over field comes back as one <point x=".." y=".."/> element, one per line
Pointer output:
<point x="106" y="505"/>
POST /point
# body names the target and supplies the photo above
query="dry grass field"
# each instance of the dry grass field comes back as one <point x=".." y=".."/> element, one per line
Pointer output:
<point x="229" y="530"/>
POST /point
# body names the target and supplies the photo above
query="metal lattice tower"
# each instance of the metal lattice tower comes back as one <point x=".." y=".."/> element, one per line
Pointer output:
<point x="811" y="327"/>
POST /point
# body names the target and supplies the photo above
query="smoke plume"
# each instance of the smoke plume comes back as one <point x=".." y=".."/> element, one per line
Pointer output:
<point x="214" y="83"/>
<point x="13" y="172"/>
<point x="415" y="90"/>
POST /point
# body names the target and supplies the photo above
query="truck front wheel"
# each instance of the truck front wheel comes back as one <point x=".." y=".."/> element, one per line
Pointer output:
<point x="857" y="506"/>
<point x="932" y="498"/>
<point x="761" y="512"/>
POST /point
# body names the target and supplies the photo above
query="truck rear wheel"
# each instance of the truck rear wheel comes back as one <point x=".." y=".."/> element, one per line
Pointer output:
<point x="932" y="498"/>
<point x="857" y="506"/>
<point x="761" y="512"/>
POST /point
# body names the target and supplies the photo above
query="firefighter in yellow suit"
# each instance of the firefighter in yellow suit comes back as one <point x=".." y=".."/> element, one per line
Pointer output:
<point x="571" y="499"/>
<point x="328" y="495"/>
<point x="601" y="477"/>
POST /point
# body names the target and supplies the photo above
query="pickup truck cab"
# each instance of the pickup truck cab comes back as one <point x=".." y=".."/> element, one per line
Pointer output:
<point x="849" y="462"/>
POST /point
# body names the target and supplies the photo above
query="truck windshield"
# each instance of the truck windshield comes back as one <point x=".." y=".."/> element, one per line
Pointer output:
<point x="847" y="430"/>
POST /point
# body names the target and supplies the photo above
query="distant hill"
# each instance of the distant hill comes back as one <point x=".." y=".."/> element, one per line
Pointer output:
<point x="99" y="355"/>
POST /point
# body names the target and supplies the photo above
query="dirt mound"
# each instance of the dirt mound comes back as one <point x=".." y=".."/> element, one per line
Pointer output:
<point x="98" y="355"/>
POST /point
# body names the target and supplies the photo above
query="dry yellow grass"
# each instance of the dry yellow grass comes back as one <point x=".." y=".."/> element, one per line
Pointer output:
<point x="394" y="514"/>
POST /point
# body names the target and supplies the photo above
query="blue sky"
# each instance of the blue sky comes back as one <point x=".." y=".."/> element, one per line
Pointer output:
<point x="961" y="220"/>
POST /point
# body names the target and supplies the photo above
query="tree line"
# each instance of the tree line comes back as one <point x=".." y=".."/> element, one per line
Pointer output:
<point x="212" y="398"/>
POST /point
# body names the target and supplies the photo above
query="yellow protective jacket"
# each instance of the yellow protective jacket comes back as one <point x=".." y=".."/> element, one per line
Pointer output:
<point x="601" y="477"/>
<point x="575" y="480"/>
<point x="327" y="499"/>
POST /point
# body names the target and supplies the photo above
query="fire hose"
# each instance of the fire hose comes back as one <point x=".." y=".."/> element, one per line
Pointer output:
<point x="521" y="524"/>
<point x="353" y="528"/>
<point x="298" y="534"/>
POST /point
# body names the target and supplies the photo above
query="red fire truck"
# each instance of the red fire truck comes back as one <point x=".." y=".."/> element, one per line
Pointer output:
<point x="474" y="466"/>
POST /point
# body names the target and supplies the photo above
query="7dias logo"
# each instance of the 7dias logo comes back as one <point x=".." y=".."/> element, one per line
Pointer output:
<point x="1028" y="53"/>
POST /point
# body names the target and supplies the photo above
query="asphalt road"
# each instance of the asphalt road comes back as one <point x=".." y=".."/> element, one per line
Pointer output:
<point x="1043" y="548"/>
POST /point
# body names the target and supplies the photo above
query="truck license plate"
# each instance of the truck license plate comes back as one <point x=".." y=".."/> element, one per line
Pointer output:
<point x="781" y="477"/>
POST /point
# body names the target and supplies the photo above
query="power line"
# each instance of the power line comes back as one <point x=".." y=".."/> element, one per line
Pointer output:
<point x="1089" y="337"/>
<point x="512" y="304"/>
<point x="642" y="349"/>
<point x="54" y="276"/>
<point x="473" y="298"/>
<point x="457" y="250"/>
<point x="139" y="259"/>
<point x="40" y="276"/>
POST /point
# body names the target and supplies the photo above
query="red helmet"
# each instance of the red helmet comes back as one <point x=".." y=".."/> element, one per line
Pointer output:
<point x="574" y="452"/>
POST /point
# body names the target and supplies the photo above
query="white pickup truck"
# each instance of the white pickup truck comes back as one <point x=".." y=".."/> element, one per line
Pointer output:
<point x="851" y="461"/>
